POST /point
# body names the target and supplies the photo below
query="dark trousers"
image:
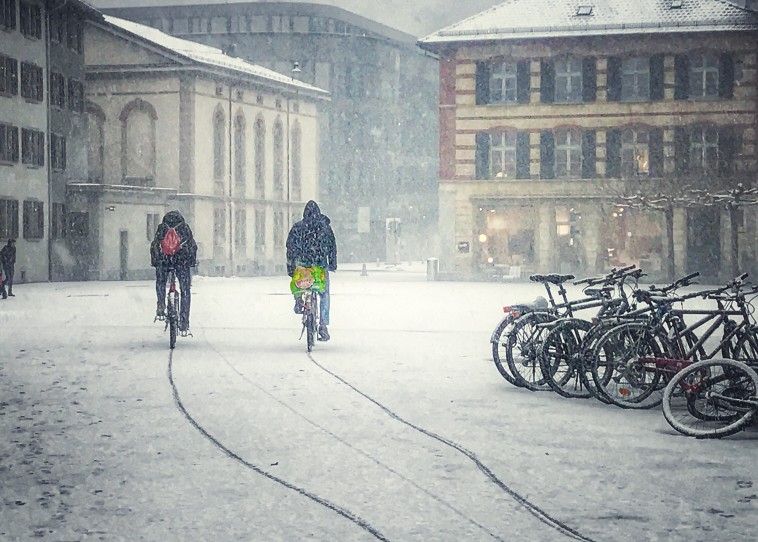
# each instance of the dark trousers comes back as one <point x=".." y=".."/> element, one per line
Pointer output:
<point x="8" y="269"/>
<point x="184" y="277"/>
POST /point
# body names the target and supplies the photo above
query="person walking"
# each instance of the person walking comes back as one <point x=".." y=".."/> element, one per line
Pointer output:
<point x="311" y="242"/>
<point x="174" y="246"/>
<point x="8" y="263"/>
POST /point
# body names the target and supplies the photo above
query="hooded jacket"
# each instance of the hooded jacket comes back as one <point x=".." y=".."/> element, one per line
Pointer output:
<point x="8" y="254"/>
<point x="187" y="255"/>
<point x="311" y="241"/>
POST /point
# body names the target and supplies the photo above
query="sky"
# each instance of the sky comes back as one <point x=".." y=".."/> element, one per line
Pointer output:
<point x="400" y="425"/>
<point x="415" y="17"/>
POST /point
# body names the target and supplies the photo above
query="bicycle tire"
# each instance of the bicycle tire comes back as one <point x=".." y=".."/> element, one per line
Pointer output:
<point x="310" y="330"/>
<point x="619" y="370"/>
<point x="708" y="386"/>
<point x="499" y="343"/>
<point x="561" y="358"/>
<point x="173" y="320"/>
<point x="522" y="350"/>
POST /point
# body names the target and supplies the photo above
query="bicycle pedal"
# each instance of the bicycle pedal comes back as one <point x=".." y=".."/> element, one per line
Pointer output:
<point x="186" y="333"/>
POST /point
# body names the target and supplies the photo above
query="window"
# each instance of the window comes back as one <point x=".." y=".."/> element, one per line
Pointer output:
<point x="8" y="15"/>
<point x="240" y="157"/>
<point x="31" y="20"/>
<point x="78" y="224"/>
<point x="96" y="145"/>
<point x="76" y="96"/>
<point x="57" y="27"/>
<point x="74" y="35"/>
<point x="503" y="155"/>
<point x="568" y="153"/>
<point x="138" y="119"/>
<point x="278" y="160"/>
<point x="278" y="229"/>
<point x="151" y="224"/>
<point x="8" y="75"/>
<point x="297" y="158"/>
<point x="58" y="152"/>
<point x="240" y="225"/>
<point x="260" y="158"/>
<point x="219" y="144"/>
<point x="704" y="150"/>
<point x="32" y="147"/>
<point x="635" y="153"/>
<point x="503" y="83"/>
<point x="57" y="90"/>
<point x="34" y="220"/>
<point x="8" y="144"/>
<point x="219" y="229"/>
<point x="58" y="221"/>
<point x="260" y="228"/>
<point x="32" y="87"/>
<point x="8" y="218"/>
<point x="704" y="76"/>
<point x="635" y="79"/>
<point x="568" y="80"/>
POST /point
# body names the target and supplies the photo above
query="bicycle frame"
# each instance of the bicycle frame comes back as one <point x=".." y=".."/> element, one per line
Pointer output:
<point x="310" y="300"/>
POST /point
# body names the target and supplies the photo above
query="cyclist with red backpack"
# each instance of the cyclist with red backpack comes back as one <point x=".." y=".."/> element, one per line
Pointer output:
<point x="174" y="246"/>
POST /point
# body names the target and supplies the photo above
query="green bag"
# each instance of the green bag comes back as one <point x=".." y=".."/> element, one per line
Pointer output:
<point x="308" y="278"/>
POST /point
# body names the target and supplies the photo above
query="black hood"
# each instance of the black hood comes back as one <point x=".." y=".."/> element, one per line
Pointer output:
<point x="172" y="219"/>
<point x="311" y="211"/>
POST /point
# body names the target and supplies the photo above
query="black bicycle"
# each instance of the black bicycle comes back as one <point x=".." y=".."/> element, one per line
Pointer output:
<point x="309" y="285"/>
<point x="173" y="306"/>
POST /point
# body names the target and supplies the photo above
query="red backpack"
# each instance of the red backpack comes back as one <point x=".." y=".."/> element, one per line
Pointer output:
<point x="171" y="242"/>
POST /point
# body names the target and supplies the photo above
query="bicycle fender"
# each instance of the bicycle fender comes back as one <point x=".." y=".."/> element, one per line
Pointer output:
<point x="495" y="338"/>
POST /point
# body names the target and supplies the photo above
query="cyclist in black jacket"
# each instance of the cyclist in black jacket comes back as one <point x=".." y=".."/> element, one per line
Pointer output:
<point x="182" y="260"/>
<point x="311" y="242"/>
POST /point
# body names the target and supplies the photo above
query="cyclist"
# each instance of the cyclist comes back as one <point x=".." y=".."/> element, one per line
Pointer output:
<point x="311" y="242"/>
<point x="174" y="246"/>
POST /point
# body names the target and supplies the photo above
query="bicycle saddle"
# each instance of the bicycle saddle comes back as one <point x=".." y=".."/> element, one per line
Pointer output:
<point x="552" y="278"/>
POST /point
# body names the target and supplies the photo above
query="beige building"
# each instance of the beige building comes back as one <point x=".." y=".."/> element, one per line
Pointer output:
<point x="178" y="125"/>
<point x="550" y="117"/>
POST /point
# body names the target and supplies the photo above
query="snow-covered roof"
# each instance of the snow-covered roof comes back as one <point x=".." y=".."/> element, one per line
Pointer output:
<point x="519" y="19"/>
<point x="207" y="55"/>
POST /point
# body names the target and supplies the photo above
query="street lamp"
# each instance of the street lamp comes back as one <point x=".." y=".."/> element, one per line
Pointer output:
<point x="296" y="71"/>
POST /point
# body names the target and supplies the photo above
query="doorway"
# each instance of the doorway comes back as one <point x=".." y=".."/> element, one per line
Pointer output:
<point x="704" y="242"/>
<point x="124" y="255"/>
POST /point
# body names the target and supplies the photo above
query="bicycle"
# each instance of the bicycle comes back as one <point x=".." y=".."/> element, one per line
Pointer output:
<point x="309" y="283"/>
<point x="173" y="301"/>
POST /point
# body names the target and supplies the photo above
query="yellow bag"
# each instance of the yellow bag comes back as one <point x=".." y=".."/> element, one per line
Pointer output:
<point x="308" y="278"/>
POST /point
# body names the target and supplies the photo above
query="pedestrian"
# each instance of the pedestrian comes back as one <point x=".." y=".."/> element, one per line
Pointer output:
<point x="174" y="246"/>
<point x="311" y="242"/>
<point x="8" y="263"/>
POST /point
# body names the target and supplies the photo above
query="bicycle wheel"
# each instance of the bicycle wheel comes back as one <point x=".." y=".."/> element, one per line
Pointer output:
<point x="522" y="350"/>
<point x="624" y="367"/>
<point x="742" y="348"/>
<point x="561" y="358"/>
<point x="310" y="325"/>
<point x="712" y="398"/>
<point x="499" y="342"/>
<point x="589" y="342"/>
<point x="173" y="318"/>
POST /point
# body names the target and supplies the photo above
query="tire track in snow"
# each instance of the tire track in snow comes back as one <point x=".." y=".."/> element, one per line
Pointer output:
<point x="532" y="508"/>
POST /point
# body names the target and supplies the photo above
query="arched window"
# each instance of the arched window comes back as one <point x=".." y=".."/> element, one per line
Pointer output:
<point x="138" y="120"/>
<point x="278" y="160"/>
<point x="219" y="144"/>
<point x="95" y="143"/>
<point x="297" y="167"/>
<point x="260" y="158"/>
<point x="240" y="157"/>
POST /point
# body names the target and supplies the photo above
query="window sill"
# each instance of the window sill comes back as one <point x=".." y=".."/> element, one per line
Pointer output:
<point x="7" y="94"/>
<point x="8" y="162"/>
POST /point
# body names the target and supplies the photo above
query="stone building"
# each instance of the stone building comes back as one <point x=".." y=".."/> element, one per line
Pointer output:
<point x="176" y="124"/>
<point x="552" y="113"/>
<point x="378" y="141"/>
<point x="42" y="130"/>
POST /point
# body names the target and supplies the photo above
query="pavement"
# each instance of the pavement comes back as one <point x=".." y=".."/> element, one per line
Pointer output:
<point x="399" y="428"/>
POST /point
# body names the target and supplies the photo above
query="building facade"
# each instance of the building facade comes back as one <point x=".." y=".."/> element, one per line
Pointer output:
<point x="42" y="130"/>
<point x="378" y="141"/>
<point x="551" y="120"/>
<point x="178" y="125"/>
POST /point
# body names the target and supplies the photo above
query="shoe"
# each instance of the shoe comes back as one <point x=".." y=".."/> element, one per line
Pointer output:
<point x="323" y="334"/>
<point x="298" y="306"/>
<point x="160" y="313"/>
<point x="11" y="294"/>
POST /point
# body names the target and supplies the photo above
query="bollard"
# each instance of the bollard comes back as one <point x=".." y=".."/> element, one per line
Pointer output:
<point x="364" y="272"/>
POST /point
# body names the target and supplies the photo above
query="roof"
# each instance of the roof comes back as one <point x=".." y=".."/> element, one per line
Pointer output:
<point x="520" y="19"/>
<point x="207" y="55"/>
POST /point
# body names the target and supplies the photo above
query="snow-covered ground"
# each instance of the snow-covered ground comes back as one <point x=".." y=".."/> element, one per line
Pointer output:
<point x="400" y="428"/>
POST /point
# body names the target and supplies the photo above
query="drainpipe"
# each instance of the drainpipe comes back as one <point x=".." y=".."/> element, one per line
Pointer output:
<point x="231" y="185"/>
<point x="48" y="167"/>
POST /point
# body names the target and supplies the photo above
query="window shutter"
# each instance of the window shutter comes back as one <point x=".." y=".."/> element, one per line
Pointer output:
<point x="13" y="69"/>
<point x="14" y="143"/>
<point x="547" y="155"/>
<point x="523" y="159"/>
<point x="482" y="83"/>
<point x="523" y="82"/>
<point x="656" y="77"/>
<point x="613" y="154"/>
<point x="727" y="150"/>
<point x="41" y="149"/>
<point x="656" y="152"/>
<point x="613" y="88"/>
<point x="682" y="77"/>
<point x="483" y="155"/>
<point x="26" y="219"/>
<point x="40" y="220"/>
<point x="588" y="154"/>
<point x="726" y="75"/>
<point x="547" y="82"/>
<point x="682" y="150"/>
<point x="589" y="79"/>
